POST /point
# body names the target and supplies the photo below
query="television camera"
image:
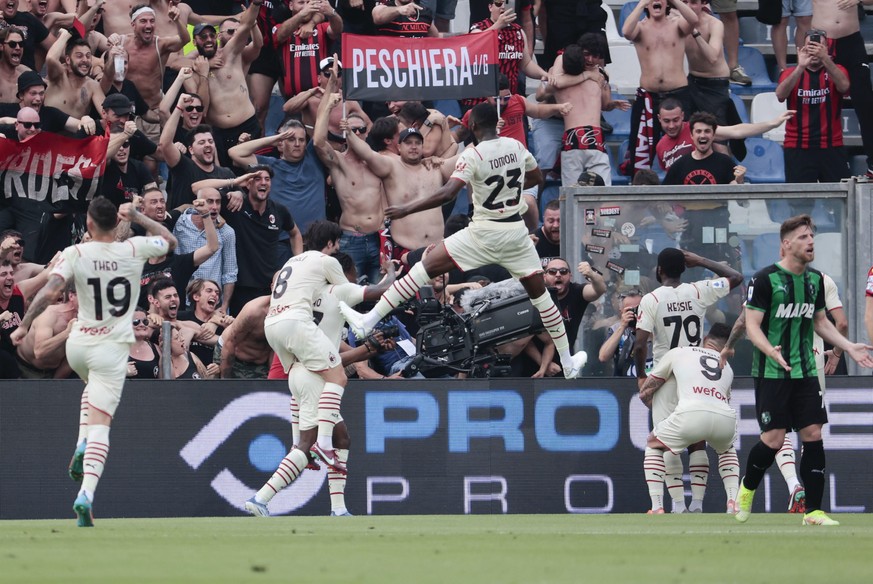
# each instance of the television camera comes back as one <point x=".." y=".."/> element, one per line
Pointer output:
<point x="452" y="342"/>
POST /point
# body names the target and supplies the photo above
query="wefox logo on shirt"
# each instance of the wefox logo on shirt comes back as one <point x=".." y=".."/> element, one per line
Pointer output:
<point x="791" y="310"/>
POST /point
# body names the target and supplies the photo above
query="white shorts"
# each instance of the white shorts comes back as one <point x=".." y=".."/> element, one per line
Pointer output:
<point x="103" y="368"/>
<point x="664" y="401"/>
<point x="683" y="428"/>
<point x="301" y="341"/>
<point x="491" y="242"/>
<point x="306" y="388"/>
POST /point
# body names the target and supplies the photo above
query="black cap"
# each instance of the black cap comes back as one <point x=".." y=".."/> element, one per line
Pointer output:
<point x="672" y="262"/>
<point x="118" y="103"/>
<point x="409" y="132"/>
<point x="591" y="179"/>
<point x="27" y="80"/>
<point x="198" y="28"/>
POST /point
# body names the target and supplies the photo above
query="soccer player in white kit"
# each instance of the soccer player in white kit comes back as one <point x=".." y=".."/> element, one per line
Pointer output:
<point x="702" y="411"/>
<point x="107" y="274"/>
<point x="672" y="316"/>
<point x="306" y="387"/>
<point x="292" y="333"/>
<point x="498" y="169"/>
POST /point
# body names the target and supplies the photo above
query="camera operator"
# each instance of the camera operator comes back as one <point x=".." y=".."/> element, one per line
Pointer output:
<point x="619" y="346"/>
<point x="394" y="353"/>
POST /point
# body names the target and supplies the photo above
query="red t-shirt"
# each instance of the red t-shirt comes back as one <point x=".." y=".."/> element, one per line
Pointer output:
<point x="513" y="113"/>
<point x="671" y="149"/>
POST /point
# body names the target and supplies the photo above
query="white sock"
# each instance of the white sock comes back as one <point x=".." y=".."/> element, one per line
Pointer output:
<point x="289" y="469"/>
<point x="398" y="293"/>
<point x="554" y="323"/>
<point x="295" y="421"/>
<point x="729" y="470"/>
<point x="673" y="480"/>
<point x="83" y="417"/>
<point x="336" y="482"/>
<point x="328" y="413"/>
<point x="653" y="469"/>
<point x="698" y="468"/>
<point x="786" y="460"/>
<point x="95" y="457"/>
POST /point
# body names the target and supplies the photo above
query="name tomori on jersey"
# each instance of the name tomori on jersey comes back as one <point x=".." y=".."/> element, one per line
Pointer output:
<point x="503" y="161"/>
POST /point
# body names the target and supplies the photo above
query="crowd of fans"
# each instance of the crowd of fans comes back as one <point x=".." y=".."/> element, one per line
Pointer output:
<point x="183" y="91"/>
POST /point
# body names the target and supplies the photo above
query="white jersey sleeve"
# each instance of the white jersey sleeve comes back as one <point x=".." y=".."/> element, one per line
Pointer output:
<point x="326" y="308"/>
<point x="711" y="291"/>
<point x="832" y="294"/>
<point x="495" y="170"/>
<point x="647" y="313"/>
<point x="300" y="282"/>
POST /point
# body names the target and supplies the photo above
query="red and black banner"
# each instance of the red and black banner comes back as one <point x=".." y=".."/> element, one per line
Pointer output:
<point x="378" y="68"/>
<point x="51" y="168"/>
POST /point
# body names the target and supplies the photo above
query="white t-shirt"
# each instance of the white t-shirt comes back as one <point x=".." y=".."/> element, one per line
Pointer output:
<point x="701" y="384"/>
<point x="674" y="316"/>
<point x="299" y="283"/>
<point x="107" y="279"/>
<point x="326" y="308"/>
<point x="495" y="169"/>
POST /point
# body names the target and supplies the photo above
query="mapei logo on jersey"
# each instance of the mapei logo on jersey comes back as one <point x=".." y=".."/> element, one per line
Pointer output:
<point x="265" y="452"/>
<point x="791" y="310"/>
<point x="610" y="211"/>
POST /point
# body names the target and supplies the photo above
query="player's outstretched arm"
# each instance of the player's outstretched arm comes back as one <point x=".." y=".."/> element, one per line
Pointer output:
<point x="827" y="331"/>
<point x="734" y="277"/>
<point x="128" y="212"/>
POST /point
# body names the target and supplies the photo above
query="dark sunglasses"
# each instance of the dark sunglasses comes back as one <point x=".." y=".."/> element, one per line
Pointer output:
<point x="139" y="321"/>
<point x="556" y="271"/>
<point x="230" y="31"/>
<point x="29" y="125"/>
<point x="126" y="144"/>
<point x="498" y="4"/>
<point x="19" y="242"/>
<point x="14" y="44"/>
<point x="359" y="130"/>
<point x="193" y="108"/>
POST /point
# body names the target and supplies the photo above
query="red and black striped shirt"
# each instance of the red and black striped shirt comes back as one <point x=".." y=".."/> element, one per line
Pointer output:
<point x="818" y="123"/>
<point x="300" y="58"/>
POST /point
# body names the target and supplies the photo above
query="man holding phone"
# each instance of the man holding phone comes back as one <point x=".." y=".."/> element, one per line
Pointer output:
<point x="813" y="147"/>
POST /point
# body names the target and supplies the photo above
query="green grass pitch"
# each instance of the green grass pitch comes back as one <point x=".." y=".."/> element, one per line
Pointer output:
<point x="609" y="549"/>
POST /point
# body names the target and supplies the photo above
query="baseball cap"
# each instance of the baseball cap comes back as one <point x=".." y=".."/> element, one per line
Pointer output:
<point x="118" y="103"/>
<point x="409" y="132"/>
<point x="27" y="80"/>
<point x="327" y="62"/>
<point x="198" y="28"/>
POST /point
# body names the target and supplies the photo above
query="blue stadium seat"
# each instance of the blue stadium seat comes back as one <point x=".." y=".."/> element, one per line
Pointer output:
<point x="551" y="191"/>
<point x="764" y="162"/>
<point x="448" y="107"/>
<point x="753" y="62"/>
<point x="765" y="250"/>
<point x="779" y="210"/>
<point x="619" y="120"/>
<point x="625" y="11"/>
<point x="741" y="107"/>
<point x="614" y="163"/>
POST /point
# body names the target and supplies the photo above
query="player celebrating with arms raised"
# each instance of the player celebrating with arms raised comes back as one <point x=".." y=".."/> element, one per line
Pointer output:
<point x="106" y="273"/>
<point x="499" y="169"/>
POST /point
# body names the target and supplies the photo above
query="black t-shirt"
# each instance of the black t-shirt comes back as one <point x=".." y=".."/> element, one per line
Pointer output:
<point x="34" y="33"/>
<point x="215" y="7"/>
<point x="51" y="119"/>
<point x="120" y="187"/>
<point x="257" y="236"/>
<point x="204" y="352"/>
<point x="177" y="267"/>
<point x="185" y="174"/>
<point x="546" y="250"/>
<point x="572" y="308"/>
<point x="715" y="169"/>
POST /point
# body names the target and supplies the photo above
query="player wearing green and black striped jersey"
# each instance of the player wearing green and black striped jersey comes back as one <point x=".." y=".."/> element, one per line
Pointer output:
<point x="785" y="307"/>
